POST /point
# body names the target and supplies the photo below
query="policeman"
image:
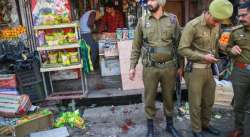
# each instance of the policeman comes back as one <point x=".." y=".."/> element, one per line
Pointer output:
<point x="198" y="45"/>
<point x="239" y="49"/>
<point x="154" y="37"/>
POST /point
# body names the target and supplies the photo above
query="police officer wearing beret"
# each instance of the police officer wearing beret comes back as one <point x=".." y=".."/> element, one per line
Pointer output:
<point x="198" y="45"/>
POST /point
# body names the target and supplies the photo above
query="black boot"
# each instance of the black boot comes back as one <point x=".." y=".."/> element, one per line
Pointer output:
<point x="150" y="126"/>
<point x="170" y="127"/>
<point x="211" y="130"/>
<point x="198" y="134"/>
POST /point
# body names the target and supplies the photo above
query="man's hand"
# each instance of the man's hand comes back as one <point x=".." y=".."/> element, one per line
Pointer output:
<point x="236" y="50"/>
<point x="132" y="74"/>
<point x="209" y="58"/>
<point x="180" y="72"/>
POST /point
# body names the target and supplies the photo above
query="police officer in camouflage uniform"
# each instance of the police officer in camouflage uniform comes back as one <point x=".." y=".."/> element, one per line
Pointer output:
<point x="239" y="49"/>
<point x="198" y="45"/>
<point x="155" y="36"/>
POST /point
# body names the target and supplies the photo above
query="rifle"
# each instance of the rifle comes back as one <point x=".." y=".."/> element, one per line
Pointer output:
<point x="178" y="78"/>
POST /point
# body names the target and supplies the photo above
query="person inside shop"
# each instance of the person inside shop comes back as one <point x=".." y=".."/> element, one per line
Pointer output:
<point x="111" y="20"/>
<point x="87" y="22"/>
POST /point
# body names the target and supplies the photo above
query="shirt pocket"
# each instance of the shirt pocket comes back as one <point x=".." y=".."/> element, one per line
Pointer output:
<point x="200" y="40"/>
<point x="151" y="33"/>
<point x="167" y="33"/>
<point x="242" y="41"/>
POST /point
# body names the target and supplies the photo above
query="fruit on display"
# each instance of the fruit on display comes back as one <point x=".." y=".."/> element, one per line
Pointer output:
<point x="12" y="33"/>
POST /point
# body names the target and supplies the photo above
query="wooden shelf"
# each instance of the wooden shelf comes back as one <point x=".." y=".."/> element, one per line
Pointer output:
<point x="66" y="95"/>
<point x="60" y="67"/>
<point x="56" y="26"/>
<point x="58" y="47"/>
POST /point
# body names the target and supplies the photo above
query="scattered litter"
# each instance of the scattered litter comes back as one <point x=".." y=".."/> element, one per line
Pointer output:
<point x="217" y="116"/>
<point x="73" y="119"/>
<point x="179" y="118"/>
<point x="113" y="108"/>
<point x="183" y="111"/>
<point x="187" y="117"/>
<point x="62" y="108"/>
<point x="58" y="132"/>
<point x="125" y="111"/>
<point x="92" y="105"/>
<point x="33" y="108"/>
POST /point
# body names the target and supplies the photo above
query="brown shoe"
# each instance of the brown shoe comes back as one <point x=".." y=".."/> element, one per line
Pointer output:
<point x="235" y="133"/>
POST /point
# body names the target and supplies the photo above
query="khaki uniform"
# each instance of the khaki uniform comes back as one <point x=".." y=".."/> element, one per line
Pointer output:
<point x="199" y="39"/>
<point x="241" y="79"/>
<point x="158" y="34"/>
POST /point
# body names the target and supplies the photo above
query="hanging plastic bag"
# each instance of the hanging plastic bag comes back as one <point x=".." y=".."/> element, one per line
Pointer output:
<point x="85" y="54"/>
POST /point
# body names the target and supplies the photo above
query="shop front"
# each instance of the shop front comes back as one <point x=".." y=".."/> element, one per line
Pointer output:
<point x="66" y="64"/>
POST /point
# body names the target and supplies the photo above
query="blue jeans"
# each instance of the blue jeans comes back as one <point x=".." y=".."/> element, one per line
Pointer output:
<point x="93" y="45"/>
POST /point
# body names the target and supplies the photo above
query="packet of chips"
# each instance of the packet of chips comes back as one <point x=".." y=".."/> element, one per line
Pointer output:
<point x="74" y="57"/>
<point x="53" y="56"/>
<point x="65" y="59"/>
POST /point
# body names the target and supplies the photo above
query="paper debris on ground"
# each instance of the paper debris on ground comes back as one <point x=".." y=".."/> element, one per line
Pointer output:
<point x="58" y="132"/>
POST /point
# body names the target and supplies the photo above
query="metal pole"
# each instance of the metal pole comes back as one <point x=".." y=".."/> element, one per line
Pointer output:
<point x="51" y="84"/>
<point x="44" y="84"/>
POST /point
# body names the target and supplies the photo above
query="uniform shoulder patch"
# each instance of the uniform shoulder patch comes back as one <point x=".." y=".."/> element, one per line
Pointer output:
<point x="173" y="18"/>
<point x="194" y="22"/>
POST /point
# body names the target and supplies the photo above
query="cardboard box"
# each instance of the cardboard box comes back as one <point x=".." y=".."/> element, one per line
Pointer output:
<point x="223" y="97"/>
<point x="39" y="122"/>
<point x="110" y="67"/>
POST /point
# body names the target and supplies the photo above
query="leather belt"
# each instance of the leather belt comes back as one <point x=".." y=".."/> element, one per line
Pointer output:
<point x="199" y="65"/>
<point x="170" y="63"/>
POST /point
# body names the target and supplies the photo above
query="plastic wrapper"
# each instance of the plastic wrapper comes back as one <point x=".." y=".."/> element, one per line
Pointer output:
<point x="74" y="57"/>
<point x="65" y="59"/>
<point x="72" y="119"/>
<point x="53" y="56"/>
